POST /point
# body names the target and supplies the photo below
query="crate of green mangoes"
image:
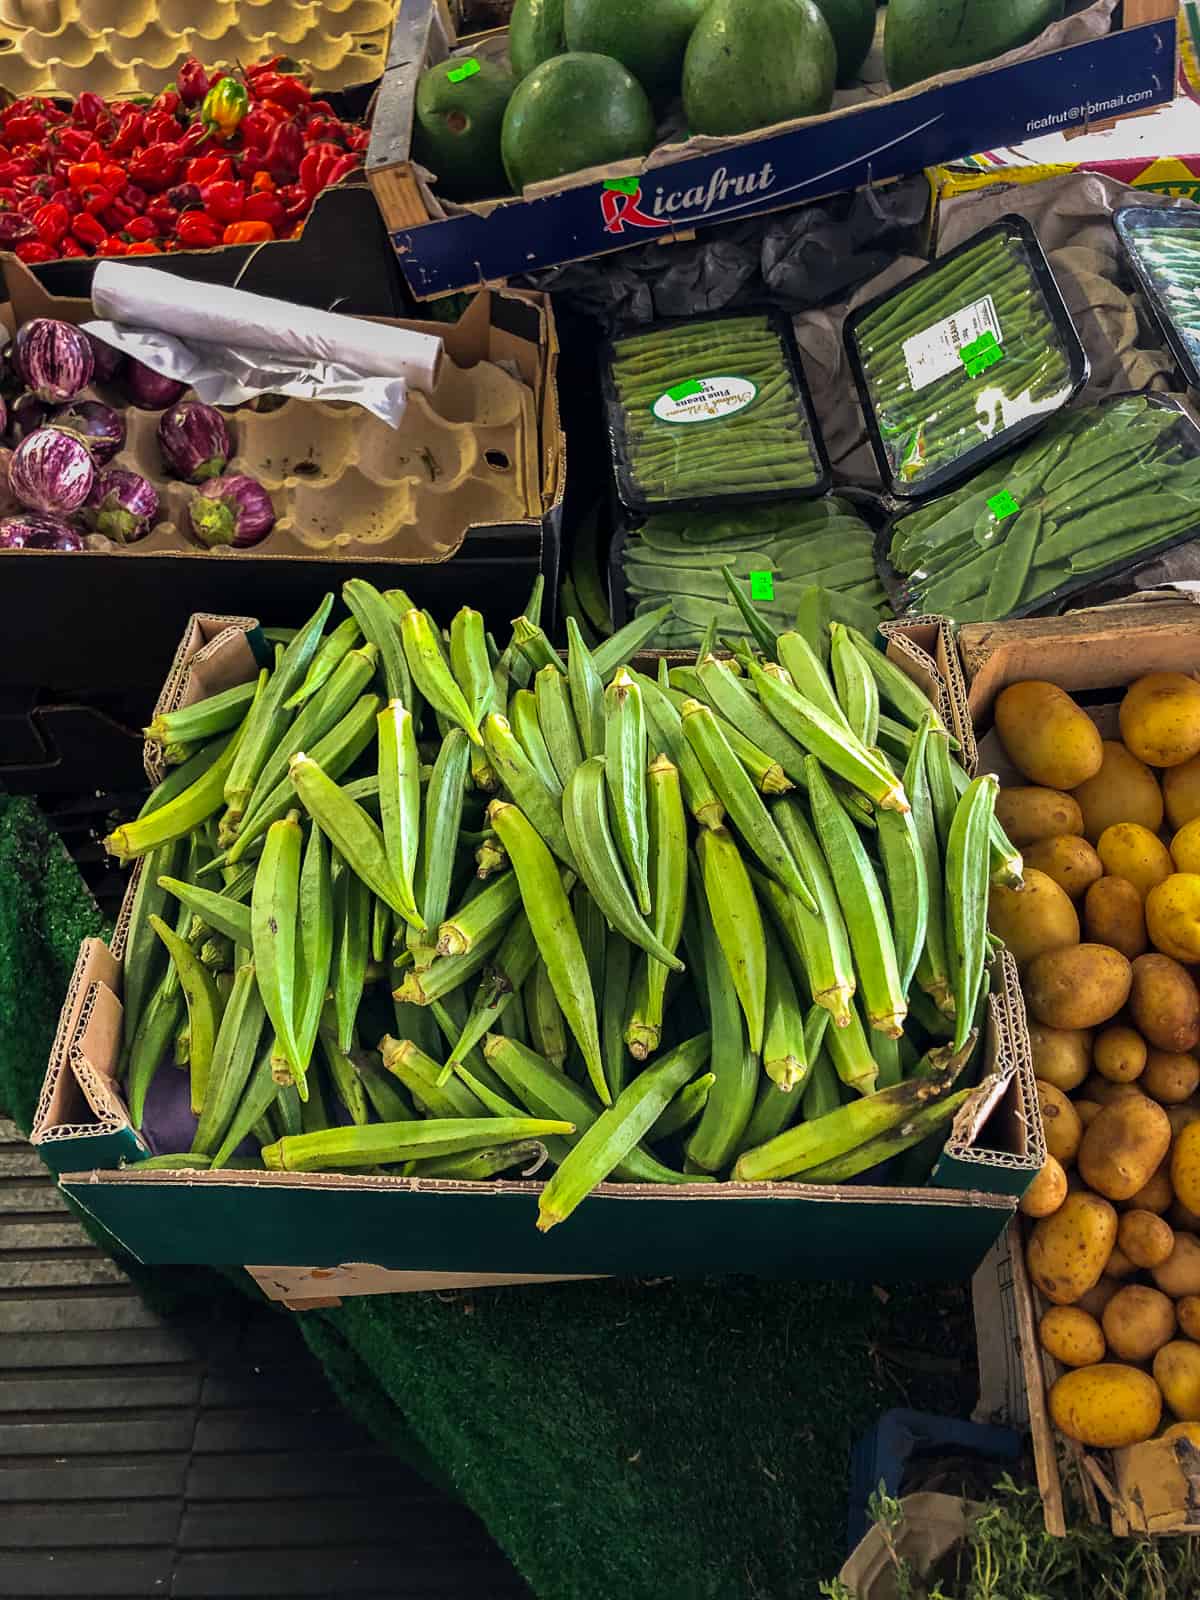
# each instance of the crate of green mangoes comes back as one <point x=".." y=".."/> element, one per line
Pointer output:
<point x="1098" y="491"/>
<point x="964" y="359"/>
<point x="711" y="411"/>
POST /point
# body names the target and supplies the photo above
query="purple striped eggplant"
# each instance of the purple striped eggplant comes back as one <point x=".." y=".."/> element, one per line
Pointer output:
<point x="234" y="510"/>
<point x="51" y="471"/>
<point x="108" y="361"/>
<point x="54" y="358"/>
<point x="101" y="427"/>
<point x="122" y="505"/>
<point x="194" y="441"/>
<point x="148" y="389"/>
<point x="29" y="531"/>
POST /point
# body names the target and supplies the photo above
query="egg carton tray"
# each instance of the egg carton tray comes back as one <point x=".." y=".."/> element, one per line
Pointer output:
<point x="123" y="47"/>
<point x="345" y="483"/>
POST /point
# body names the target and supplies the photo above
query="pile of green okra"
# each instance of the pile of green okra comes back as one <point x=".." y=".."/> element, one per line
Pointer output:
<point x="412" y="902"/>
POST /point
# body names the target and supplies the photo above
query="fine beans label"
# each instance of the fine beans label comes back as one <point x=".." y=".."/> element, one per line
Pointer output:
<point x="936" y="351"/>
<point x="704" y="399"/>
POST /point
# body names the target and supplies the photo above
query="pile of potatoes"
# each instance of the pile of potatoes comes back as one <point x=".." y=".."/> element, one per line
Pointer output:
<point x="1106" y="932"/>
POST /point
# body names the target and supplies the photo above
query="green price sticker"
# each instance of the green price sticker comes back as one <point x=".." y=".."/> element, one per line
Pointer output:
<point x="466" y="69"/>
<point x="980" y="354"/>
<point x="762" y="586"/>
<point x="1003" y="505"/>
<point x="623" y="185"/>
<point x="688" y="387"/>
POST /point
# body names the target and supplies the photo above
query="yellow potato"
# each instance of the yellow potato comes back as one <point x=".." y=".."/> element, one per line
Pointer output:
<point x="1113" y="914"/>
<point x="1124" y="790"/>
<point x="1048" y="738"/>
<point x="1060" y="1123"/>
<point x="1185" y="847"/>
<point x="1079" y="987"/>
<point x="1169" y="1078"/>
<point x="1185" y="1166"/>
<point x="1132" y="852"/>
<point x="1157" y="1195"/>
<point x="1060" y="1055"/>
<point x="1177" y="1374"/>
<point x="1037" y="917"/>
<point x="1071" y="1336"/>
<point x="1028" y="814"/>
<point x="1187" y="1309"/>
<point x="1067" y="1251"/>
<point x="1088" y="1111"/>
<point x="1145" y="1238"/>
<point x="1106" y="1406"/>
<point x="1164" y="1003"/>
<point x="1068" y="859"/>
<point x="1121" y="1150"/>
<point x="1137" y="1322"/>
<point x="1118" y="1265"/>
<point x="1047" y="1191"/>
<point x="1179" y="1274"/>
<point x="1173" y="916"/>
<point x="1181" y="792"/>
<point x="1094" y="1300"/>
<point x="1119" y="1054"/>
<point x="1160" y="719"/>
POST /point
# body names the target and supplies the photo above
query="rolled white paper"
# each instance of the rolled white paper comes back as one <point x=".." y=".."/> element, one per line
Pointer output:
<point x="142" y="297"/>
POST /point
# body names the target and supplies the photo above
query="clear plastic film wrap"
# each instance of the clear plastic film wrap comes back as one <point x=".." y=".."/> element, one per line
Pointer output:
<point x="1163" y="248"/>
<point x="711" y="411"/>
<point x="774" y="552"/>
<point x="964" y="359"/>
<point x="1099" y="490"/>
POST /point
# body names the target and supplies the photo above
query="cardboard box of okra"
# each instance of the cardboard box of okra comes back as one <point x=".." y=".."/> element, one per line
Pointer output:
<point x="791" y="1105"/>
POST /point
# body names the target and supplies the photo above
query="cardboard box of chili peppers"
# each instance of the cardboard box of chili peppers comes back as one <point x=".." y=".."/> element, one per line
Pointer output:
<point x="211" y="175"/>
<point x="383" y="1231"/>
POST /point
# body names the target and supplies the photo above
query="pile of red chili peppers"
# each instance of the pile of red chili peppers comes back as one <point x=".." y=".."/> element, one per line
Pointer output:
<point x="221" y="158"/>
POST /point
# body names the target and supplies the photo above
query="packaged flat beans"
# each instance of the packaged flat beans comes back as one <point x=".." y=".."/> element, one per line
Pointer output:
<point x="711" y="411"/>
<point x="1163" y="248"/>
<point x="963" y="359"/>
<point x="1097" y="491"/>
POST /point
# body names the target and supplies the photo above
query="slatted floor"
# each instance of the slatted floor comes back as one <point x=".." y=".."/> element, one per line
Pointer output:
<point x="206" y="1458"/>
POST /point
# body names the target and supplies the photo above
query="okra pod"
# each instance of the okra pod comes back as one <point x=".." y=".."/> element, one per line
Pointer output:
<point x="386" y="1143"/>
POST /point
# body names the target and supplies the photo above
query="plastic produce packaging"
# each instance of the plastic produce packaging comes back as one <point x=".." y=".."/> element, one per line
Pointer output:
<point x="774" y="552"/>
<point x="964" y="359"/>
<point x="711" y="410"/>
<point x="1163" y="247"/>
<point x="1097" y="491"/>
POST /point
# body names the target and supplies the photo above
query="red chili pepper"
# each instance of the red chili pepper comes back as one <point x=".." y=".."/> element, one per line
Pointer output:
<point x="84" y="174"/>
<point x="164" y="217"/>
<point x="192" y="81"/>
<point x="283" y="88"/>
<point x="52" y="222"/>
<point x="27" y="129"/>
<point x="208" y="169"/>
<point x="318" y="128"/>
<point x="223" y="201"/>
<point x="322" y="106"/>
<point x="143" y="247"/>
<point x="87" y="229"/>
<point x="130" y="135"/>
<point x="185" y="197"/>
<point x="196" y="231"/>
<point x="256" y="128"/>
<point x="106" y="126"/>
<point x="94" y="151"/>
<point x="261" y="68"/>
<point x="72" y="142"/>
<point x="343" y="168"/>
<point x="319" y="161"/>
<point x="168" y="101"/>
<point x="264" y="208"/>
<point x="160" y="128"/>
<point x="194" y="140"/>
<point x="71" y="248"/>
<point x="88" y="109"/>
<point x="96" y="199"/>
<point x="33" y="251"/>
<point x="113" y="176"/>
<point x="248" y="233"/>
<point x="117" y="216"/>
<point x="297" y="202"/>
<point x="156" y="167"/>
<point x="112" y="247"/>
<point x="285" y="153"/>
<point x="357" y="139"/>
<point x="135" y="196"/>
<point x="139" y="228"/>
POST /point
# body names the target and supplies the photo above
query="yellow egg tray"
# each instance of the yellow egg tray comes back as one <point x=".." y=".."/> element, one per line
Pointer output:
<point x="123" y="47"/>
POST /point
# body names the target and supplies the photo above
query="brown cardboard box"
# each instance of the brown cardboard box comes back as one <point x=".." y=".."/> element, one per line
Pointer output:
<point x="1153" y="1487"/>
<point x="353" y="1234"/>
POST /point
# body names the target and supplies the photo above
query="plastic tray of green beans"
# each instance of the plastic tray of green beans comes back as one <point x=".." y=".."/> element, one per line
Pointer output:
<point x="1098" y="491"/>
<point x="776" y="553"/>
<point x="964" y="359"/>
<point x="715" y="409"/>
<point x="1162" y="245"/>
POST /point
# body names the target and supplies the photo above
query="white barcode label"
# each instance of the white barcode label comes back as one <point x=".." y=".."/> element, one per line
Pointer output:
<point x="934" y="352"/>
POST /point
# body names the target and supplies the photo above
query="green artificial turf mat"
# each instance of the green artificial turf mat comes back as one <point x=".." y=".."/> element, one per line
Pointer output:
<point x="631" y="1440"/>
